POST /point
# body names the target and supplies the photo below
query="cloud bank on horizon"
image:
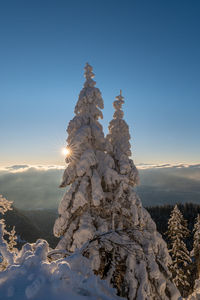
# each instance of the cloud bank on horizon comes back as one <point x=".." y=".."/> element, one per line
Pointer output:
<point x="36" y="186"/>
<point x="142" y="166"/>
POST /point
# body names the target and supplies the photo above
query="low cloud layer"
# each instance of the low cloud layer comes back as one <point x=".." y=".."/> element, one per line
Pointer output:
<point x="32" y="187"/>
<point x="169" y="184"/>
<point x="36" y="187"/>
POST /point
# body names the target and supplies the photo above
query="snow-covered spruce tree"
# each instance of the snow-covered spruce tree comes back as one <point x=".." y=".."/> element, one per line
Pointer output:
<point x="12" y="240"/>
<point x="132" y="256"/>
<point x="196" y="246"/>
<point x="102" y="214"/>
<point x="82" y="211"/>
<point x="119" y="137"/>
<point x="177" y="232"/>
<point x="5" y="205"/>
<point x="6" y="256"/>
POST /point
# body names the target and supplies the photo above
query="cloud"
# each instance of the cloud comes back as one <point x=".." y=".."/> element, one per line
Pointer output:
<point x="170" y="184"/>
<point x="37" y="186"/>
<point x="163" y="166"/>
<point x="32" y="187"/>
<point x="25" y="168"/>
<point x="17" y="167"/>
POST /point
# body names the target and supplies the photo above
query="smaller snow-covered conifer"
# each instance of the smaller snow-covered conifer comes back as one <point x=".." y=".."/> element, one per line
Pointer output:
<point x="12" y="240"/>
<point x="196" y="245"/>
<point x="5" y="205"/>
<point x="177" y="232"/>
<point x="6" y="256"/>
<point x="119" y="137"/>
<point x="132" y="256"/>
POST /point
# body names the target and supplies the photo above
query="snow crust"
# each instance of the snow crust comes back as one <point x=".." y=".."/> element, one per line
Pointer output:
<point x="35" y="275"/>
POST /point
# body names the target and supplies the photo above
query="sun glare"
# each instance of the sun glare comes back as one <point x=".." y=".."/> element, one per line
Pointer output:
<point x="66" y="151"/>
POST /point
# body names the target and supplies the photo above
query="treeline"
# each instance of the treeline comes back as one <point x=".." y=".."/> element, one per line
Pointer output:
<point x="161" y="215"/>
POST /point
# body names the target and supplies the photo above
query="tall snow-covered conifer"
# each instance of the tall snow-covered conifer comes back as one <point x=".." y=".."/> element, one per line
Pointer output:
<point x="82" y="210"/>
<point x="101" y="213"/>
<point x="177" y="232"/>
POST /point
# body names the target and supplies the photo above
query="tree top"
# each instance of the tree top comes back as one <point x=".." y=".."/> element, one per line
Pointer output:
<point x="118" y="105"/>
<point x="89" y="75"/>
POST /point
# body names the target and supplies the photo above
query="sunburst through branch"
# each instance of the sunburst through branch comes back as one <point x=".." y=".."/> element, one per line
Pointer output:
<point x="70" y="152"/>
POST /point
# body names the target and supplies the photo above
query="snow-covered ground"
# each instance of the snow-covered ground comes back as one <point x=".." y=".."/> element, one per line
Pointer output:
<point x="35" y="275"/>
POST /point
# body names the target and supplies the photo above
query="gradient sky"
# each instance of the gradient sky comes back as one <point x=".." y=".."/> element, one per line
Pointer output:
<point x="149" y="49"/>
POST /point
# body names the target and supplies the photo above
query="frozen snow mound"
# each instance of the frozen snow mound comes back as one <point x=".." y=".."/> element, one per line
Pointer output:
<point x="34" y="274"/>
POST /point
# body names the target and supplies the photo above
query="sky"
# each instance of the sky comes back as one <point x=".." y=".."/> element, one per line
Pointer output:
<point x="149" y="49"/>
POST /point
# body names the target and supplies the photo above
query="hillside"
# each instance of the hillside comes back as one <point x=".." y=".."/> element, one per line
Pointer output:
<point x="34" y="224"/>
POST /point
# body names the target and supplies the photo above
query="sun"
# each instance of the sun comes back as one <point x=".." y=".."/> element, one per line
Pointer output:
<point x="71" y="152"/>
<point x="66" y="151"/>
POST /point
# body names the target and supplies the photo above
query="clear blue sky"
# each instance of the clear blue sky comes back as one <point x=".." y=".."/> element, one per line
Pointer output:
<point x="149" y="49"/>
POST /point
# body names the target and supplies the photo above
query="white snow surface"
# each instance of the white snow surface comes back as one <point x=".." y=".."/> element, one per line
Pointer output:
<point x="35" y="275"/>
